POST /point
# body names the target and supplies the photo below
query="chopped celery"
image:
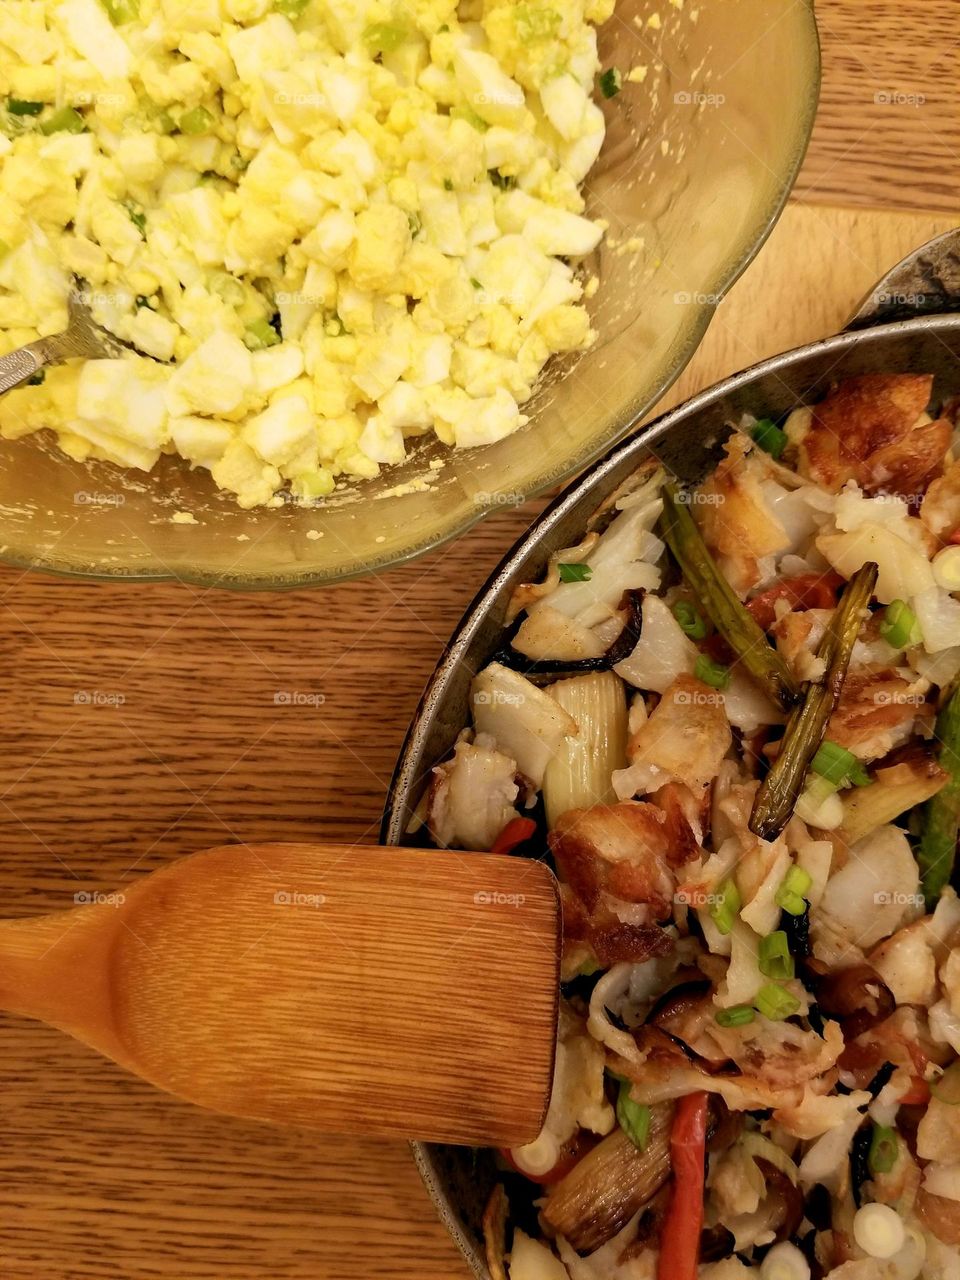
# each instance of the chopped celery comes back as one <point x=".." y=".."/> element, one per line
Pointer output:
<point x="534" y="22"/>
<point x="66" y="120"/>
<point x="197" y="121"/>
<point x="611" y="82"/>
<point x="121" y="11"/>
<point x="18" y="107"/>
<point x="384" y="37"/>
<point x="261" y="333"/>
<point x="136" y="216"/>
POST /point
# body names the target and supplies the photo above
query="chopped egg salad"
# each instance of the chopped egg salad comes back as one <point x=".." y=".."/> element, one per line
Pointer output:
<point x="325" y="226"/>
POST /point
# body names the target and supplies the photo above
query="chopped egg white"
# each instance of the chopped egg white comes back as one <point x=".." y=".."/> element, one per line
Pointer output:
<point x="343" y="225"/>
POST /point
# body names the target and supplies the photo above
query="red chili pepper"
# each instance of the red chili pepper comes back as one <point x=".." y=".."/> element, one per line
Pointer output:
<point x="515" y="832"/>
<point x="954" y="537"/>
<point x="680" y="1236"/>
<point x="917" y="1095"/>
<point x="806" y="591"/>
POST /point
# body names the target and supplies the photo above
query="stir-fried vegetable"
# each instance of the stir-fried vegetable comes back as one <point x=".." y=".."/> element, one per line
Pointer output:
<point x="618" y="651"/>
<point x="896" y="789"/>
<point x="515" y="833"/>
<point x="715" y="674"/>
<point x="680" y="1238"/>
<point x="734" y="622"/>
<point x="773" y="956"/>
<point x="633" y="1117"/>
<point x="838" y="765"/>
<point x="601" y="1193"/>
<point x="690" y="620"/>
<point x="899" y="626"/>
<point x="808" y="722"/>
<point x="743" y="918"/>
<point x="941" y="818"/>
<point x="771" y="438"/>
<point x="884" y="1147"/>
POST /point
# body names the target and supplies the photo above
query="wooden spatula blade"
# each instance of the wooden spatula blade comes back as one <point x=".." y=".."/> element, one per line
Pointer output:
<point x="396" y="992"/>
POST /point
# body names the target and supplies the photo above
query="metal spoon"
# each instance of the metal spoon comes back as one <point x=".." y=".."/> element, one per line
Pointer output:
<point x="82" y="337"/>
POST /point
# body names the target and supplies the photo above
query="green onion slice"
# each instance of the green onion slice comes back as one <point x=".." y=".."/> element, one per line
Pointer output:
<point x="715" y="674"/>
<point x="770" y="438"/>
<point x="898" y="625"/>
<point x="738" y="1015"/>
<point x="724" y="911"/>
<point x="633" y="1117"/>
<point x="575" y="572"/>
<point x="690" y="620"/>
<point x="884" y="1147"/>
<point x="776" y="1003"/>
<point x="838" y="765"/>
<point x="792" y="892"/>
<point x="947" y="1087"/>
<point x="774" y="958"/>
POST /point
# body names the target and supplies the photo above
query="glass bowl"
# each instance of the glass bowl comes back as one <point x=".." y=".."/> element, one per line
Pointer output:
<point x="698" y="161"/>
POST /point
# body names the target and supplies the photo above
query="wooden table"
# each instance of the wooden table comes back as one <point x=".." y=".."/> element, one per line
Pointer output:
<point x="100" y="1176"/>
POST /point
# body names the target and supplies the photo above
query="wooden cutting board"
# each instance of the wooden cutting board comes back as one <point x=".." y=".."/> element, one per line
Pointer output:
<point x="140" y="723"/>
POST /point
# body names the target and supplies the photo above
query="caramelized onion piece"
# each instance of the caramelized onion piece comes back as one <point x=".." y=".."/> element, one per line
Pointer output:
<point x="940" y="1216"/>
<point x="784" y="1199"/>
<point x="716" y="1243"/>
<point x="600" y="1195"/>
<point x="495" y="1232"/>
<point x="858" y="996"/>
<point x="621" y="648"/>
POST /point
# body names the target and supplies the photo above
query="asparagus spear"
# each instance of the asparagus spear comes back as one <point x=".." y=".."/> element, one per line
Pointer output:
<point x="941" y="814"/>
<point x="734" y="622"/>
<point x="778" y="794"/>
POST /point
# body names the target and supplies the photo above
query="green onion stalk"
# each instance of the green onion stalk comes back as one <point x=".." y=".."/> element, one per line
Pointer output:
<point x="780" y="790"/>
<point x="940" y="823"/>
<point x="729" y="615"/>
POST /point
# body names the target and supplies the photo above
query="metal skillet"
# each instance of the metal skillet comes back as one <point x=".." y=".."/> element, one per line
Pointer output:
<point x="910" y="322"/>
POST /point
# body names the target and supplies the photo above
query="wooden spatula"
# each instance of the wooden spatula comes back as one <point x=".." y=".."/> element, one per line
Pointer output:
<point x="396" y="992"/>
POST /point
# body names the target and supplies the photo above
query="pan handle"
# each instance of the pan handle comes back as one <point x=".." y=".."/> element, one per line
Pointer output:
<point x="926" y="283"/>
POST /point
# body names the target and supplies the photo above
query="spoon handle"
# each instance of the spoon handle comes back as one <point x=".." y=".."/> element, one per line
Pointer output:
<point x="17" y="366"/>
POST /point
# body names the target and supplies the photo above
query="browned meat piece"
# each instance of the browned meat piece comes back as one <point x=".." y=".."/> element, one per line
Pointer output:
<point x="875" y="430"/>
<point x="876" y="713"/>
<point x="621" y="850"/>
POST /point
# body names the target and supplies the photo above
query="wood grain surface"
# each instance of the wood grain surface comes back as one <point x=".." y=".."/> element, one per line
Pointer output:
<point x="316" y="985"/>
<point x="144" y="722"/>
